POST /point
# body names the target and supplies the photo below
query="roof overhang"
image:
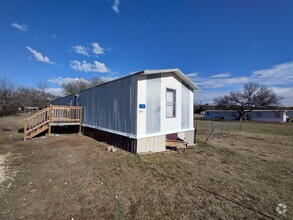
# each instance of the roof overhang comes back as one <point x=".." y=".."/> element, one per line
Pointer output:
<point x="176" y="72"/>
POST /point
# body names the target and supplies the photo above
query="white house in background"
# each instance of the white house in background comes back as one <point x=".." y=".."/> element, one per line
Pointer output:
<point x="254" y="115"/>
<point x="268" y="115"/>
<point x="138" y="112"/>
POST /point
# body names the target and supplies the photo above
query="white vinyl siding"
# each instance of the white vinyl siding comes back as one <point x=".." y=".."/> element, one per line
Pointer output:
<point x="170" y="103"/>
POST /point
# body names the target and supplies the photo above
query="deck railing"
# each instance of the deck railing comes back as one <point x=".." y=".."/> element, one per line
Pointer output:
<point x="66" y="113"/>
<point x="42" y="120"/>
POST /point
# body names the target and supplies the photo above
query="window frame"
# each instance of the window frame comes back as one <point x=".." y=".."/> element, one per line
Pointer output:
<point x="174" y="112"/>
<point x="277" y="114"/>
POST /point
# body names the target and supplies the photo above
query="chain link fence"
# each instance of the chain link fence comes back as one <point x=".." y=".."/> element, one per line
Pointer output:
<point x="212" y="128"/>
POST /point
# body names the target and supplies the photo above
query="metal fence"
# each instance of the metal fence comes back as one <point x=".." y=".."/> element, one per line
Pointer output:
<point x="212" y="128"/>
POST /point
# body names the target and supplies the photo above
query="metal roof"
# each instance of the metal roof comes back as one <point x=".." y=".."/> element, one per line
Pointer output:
<point x="175" y="71"/>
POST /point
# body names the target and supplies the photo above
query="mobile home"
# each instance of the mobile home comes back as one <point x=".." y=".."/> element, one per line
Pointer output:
<point x="254" y="115"/>
<point x="139" y="111"/>
<point x="290" y="114"/>
<point x="268" y="115"/>
<point x="221" y="114"/>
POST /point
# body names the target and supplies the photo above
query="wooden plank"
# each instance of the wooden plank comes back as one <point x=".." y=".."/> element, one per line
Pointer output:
<point x="80" y="116"/>
<point x="176" y="143"/>
<point x="50" y="120"/>
<point x="38" y="113"/>
<point x="24" y="130"/>
<point x="33" y="134"/>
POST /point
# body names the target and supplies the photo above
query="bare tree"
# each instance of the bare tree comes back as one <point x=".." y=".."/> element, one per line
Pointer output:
<point x="12" y="98"/>
<point x="42" y="86"/>
<point x="97" y="81"/>
<point x="75" y="86"/>
<point x="81" y="84"/>
<point x="7" y="104"/>
<point x="252" y="96"/>
<point x="32" y="97"/>
<point x="43" y="97"/>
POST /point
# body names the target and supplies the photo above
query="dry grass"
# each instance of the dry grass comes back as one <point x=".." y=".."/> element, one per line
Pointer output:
<point x="282" y="129"/>
<point x="74" y="176"/>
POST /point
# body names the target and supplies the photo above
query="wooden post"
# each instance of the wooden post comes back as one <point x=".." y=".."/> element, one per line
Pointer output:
<point x="210" y="135"/>
<point x="195" y="130"/>
<point x="68" y="114"/>
<point x="24" y="129"/>
<point x="50" y="118"/>
<point x="80" y="119"/>
<point x="206" y="129"/>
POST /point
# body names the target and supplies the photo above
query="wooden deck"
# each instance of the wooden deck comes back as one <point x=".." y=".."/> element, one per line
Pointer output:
<point x="52" y="116"/>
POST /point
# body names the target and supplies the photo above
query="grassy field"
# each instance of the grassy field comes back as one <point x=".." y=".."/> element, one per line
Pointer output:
<point x="282" y="129"/>
<point x="236" y="175"/>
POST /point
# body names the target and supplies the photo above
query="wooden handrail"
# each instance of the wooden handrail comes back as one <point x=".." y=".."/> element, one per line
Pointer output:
<point x="38" y="113"/>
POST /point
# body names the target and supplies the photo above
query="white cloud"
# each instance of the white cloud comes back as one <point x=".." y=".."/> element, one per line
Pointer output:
<point x="55" y="91"/>
<point x="21" y="27"/>
<point x="53" y="36"/>
<point x="89" y="67"/>
<point x="220" y="83"/>
<point x="278" y="77"/>
<point x="192" y="74"/>
<point x="221" y="75"/>
<point x="81" y="50"/>
<point x="108" y="78"/>
<point x="60" y="80"/>
<point x="40" y="57"/>
<point x="205" y="96"/>
<point x="285" y="93"/>
<point x="97" y="49"/>
<point x="281" y="74"/>
<point x="115" y="6"/>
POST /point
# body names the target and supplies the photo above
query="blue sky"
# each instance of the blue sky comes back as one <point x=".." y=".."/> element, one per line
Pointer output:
<point x="220" y="45"/>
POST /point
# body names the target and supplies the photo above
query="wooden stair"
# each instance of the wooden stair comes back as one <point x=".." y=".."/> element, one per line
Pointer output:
<point x="37" y="131"/>
<point x="177" y="144"/>
<point x="42" y="120"/>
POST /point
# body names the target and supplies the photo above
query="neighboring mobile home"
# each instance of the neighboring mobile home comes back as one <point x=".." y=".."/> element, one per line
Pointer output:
<point x="268" y="115"/>
<point x="254" y="115"/>
<point x="221" y="114"/>
<point x="138" y="111"/>
<point x="290" y="114"/>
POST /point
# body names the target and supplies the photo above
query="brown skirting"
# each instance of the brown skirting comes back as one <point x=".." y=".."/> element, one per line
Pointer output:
<point x="173" y="136"/>
<point x="125" y="143"/>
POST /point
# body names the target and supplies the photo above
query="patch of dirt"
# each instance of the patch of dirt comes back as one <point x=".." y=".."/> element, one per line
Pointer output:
<point x="2" y="167"/>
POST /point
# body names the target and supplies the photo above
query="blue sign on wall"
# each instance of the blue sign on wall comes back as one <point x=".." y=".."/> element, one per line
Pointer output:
<point x="141" y="105"/>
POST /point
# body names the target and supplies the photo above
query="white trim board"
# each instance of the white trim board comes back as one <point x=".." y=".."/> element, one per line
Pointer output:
<point x="134" y="136"/>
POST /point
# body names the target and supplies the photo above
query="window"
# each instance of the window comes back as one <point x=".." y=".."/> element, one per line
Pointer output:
<point x="258" y="114"/>
<point x="170" y="103"/>
<point x="277" y="115"/>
